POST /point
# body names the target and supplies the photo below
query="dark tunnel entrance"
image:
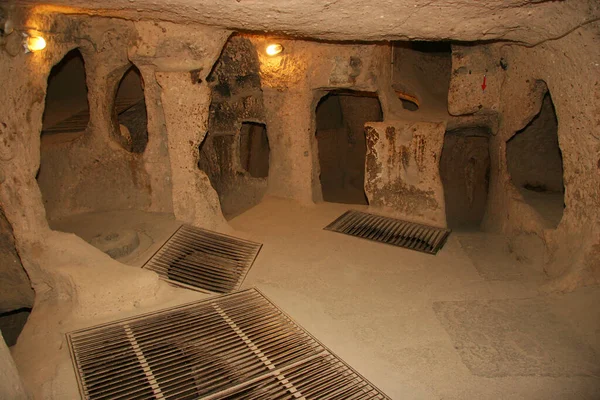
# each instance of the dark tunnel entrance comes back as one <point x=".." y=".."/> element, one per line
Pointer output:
<point x="129" y="112"/>
<point x="66" y="109"/>
<point x="464" y="169"/>
<point x="341" y="117"/>
<point x="254" y="149"/>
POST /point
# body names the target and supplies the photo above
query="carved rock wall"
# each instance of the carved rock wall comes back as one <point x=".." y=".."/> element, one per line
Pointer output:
<point x="402" y="170"/>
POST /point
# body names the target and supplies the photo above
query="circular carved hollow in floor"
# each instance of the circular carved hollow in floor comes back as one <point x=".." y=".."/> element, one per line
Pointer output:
<point x="117" y="244"/>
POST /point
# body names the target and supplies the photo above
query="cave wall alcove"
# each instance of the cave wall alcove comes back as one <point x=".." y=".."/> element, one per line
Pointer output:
<point x="81" y="170"/>
<point x="421" y="75"/>
<point x="534" y="162"/>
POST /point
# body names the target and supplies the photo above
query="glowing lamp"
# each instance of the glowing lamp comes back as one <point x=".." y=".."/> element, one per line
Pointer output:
<point x="274" y="49"/>
<point x="35" y="43"/>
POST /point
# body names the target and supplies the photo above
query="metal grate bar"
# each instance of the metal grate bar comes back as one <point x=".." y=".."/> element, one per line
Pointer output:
<point x="204" y="260"/>
<point x="230" y="347"/>
<point x="144" y="363"/>
<point x="427" y="239"/>
<point x="258" y="352"/>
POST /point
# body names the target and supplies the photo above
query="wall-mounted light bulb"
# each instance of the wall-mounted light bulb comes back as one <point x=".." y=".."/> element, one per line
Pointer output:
<point x="274" y="49"/>
<point x="35" y="43"/>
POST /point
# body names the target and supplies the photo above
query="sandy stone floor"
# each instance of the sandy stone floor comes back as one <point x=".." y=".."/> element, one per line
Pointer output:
<point x="464" y="324"/>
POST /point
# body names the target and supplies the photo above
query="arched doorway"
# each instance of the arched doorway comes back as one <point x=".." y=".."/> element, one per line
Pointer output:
<point x="340" y="119"/>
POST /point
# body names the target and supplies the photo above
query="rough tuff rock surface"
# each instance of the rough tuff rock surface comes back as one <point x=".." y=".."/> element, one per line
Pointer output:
<point x="293" y="83"/>
<point x="186" y="108"/>
<point x="183" y="57"/>
<point x="91" y="171"/>
<point x="528" y="21"/>
<point x="11" y="386"/>
<point x="77" y="284"/>
<point x="569" y="69"/>
<point x="14" y="283"/>
<point x="236" y="98"/>
<point x="72" y="280"/>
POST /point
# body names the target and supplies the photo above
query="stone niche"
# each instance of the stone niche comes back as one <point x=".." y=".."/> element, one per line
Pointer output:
<point x="534" y="162"/>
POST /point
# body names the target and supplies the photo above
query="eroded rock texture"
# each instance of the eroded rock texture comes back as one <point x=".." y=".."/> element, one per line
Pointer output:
<point x="175" y="45"/>
<point x="73" y="280"/>
<point x="92" y="167"/>
<point x="529" y="21"/>
<point x="236" y="101"/>
<point x="14" y="284"/>
<point x="518" y="80"/>
<point x="11" y="385"/>
<point x="402" y="170"/>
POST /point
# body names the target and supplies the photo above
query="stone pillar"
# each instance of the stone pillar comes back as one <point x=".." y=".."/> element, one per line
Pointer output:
<point x="103" y="73"/>
<point x="156" y="155"/>
<point x="293" y="165"/>
<point x="186" y="106"/>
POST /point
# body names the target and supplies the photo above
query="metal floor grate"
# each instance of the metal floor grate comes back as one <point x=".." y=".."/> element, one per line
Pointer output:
<point x="204" y="260"/>
<point x="229" y="347"/>
<point x="427" y="239"/>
